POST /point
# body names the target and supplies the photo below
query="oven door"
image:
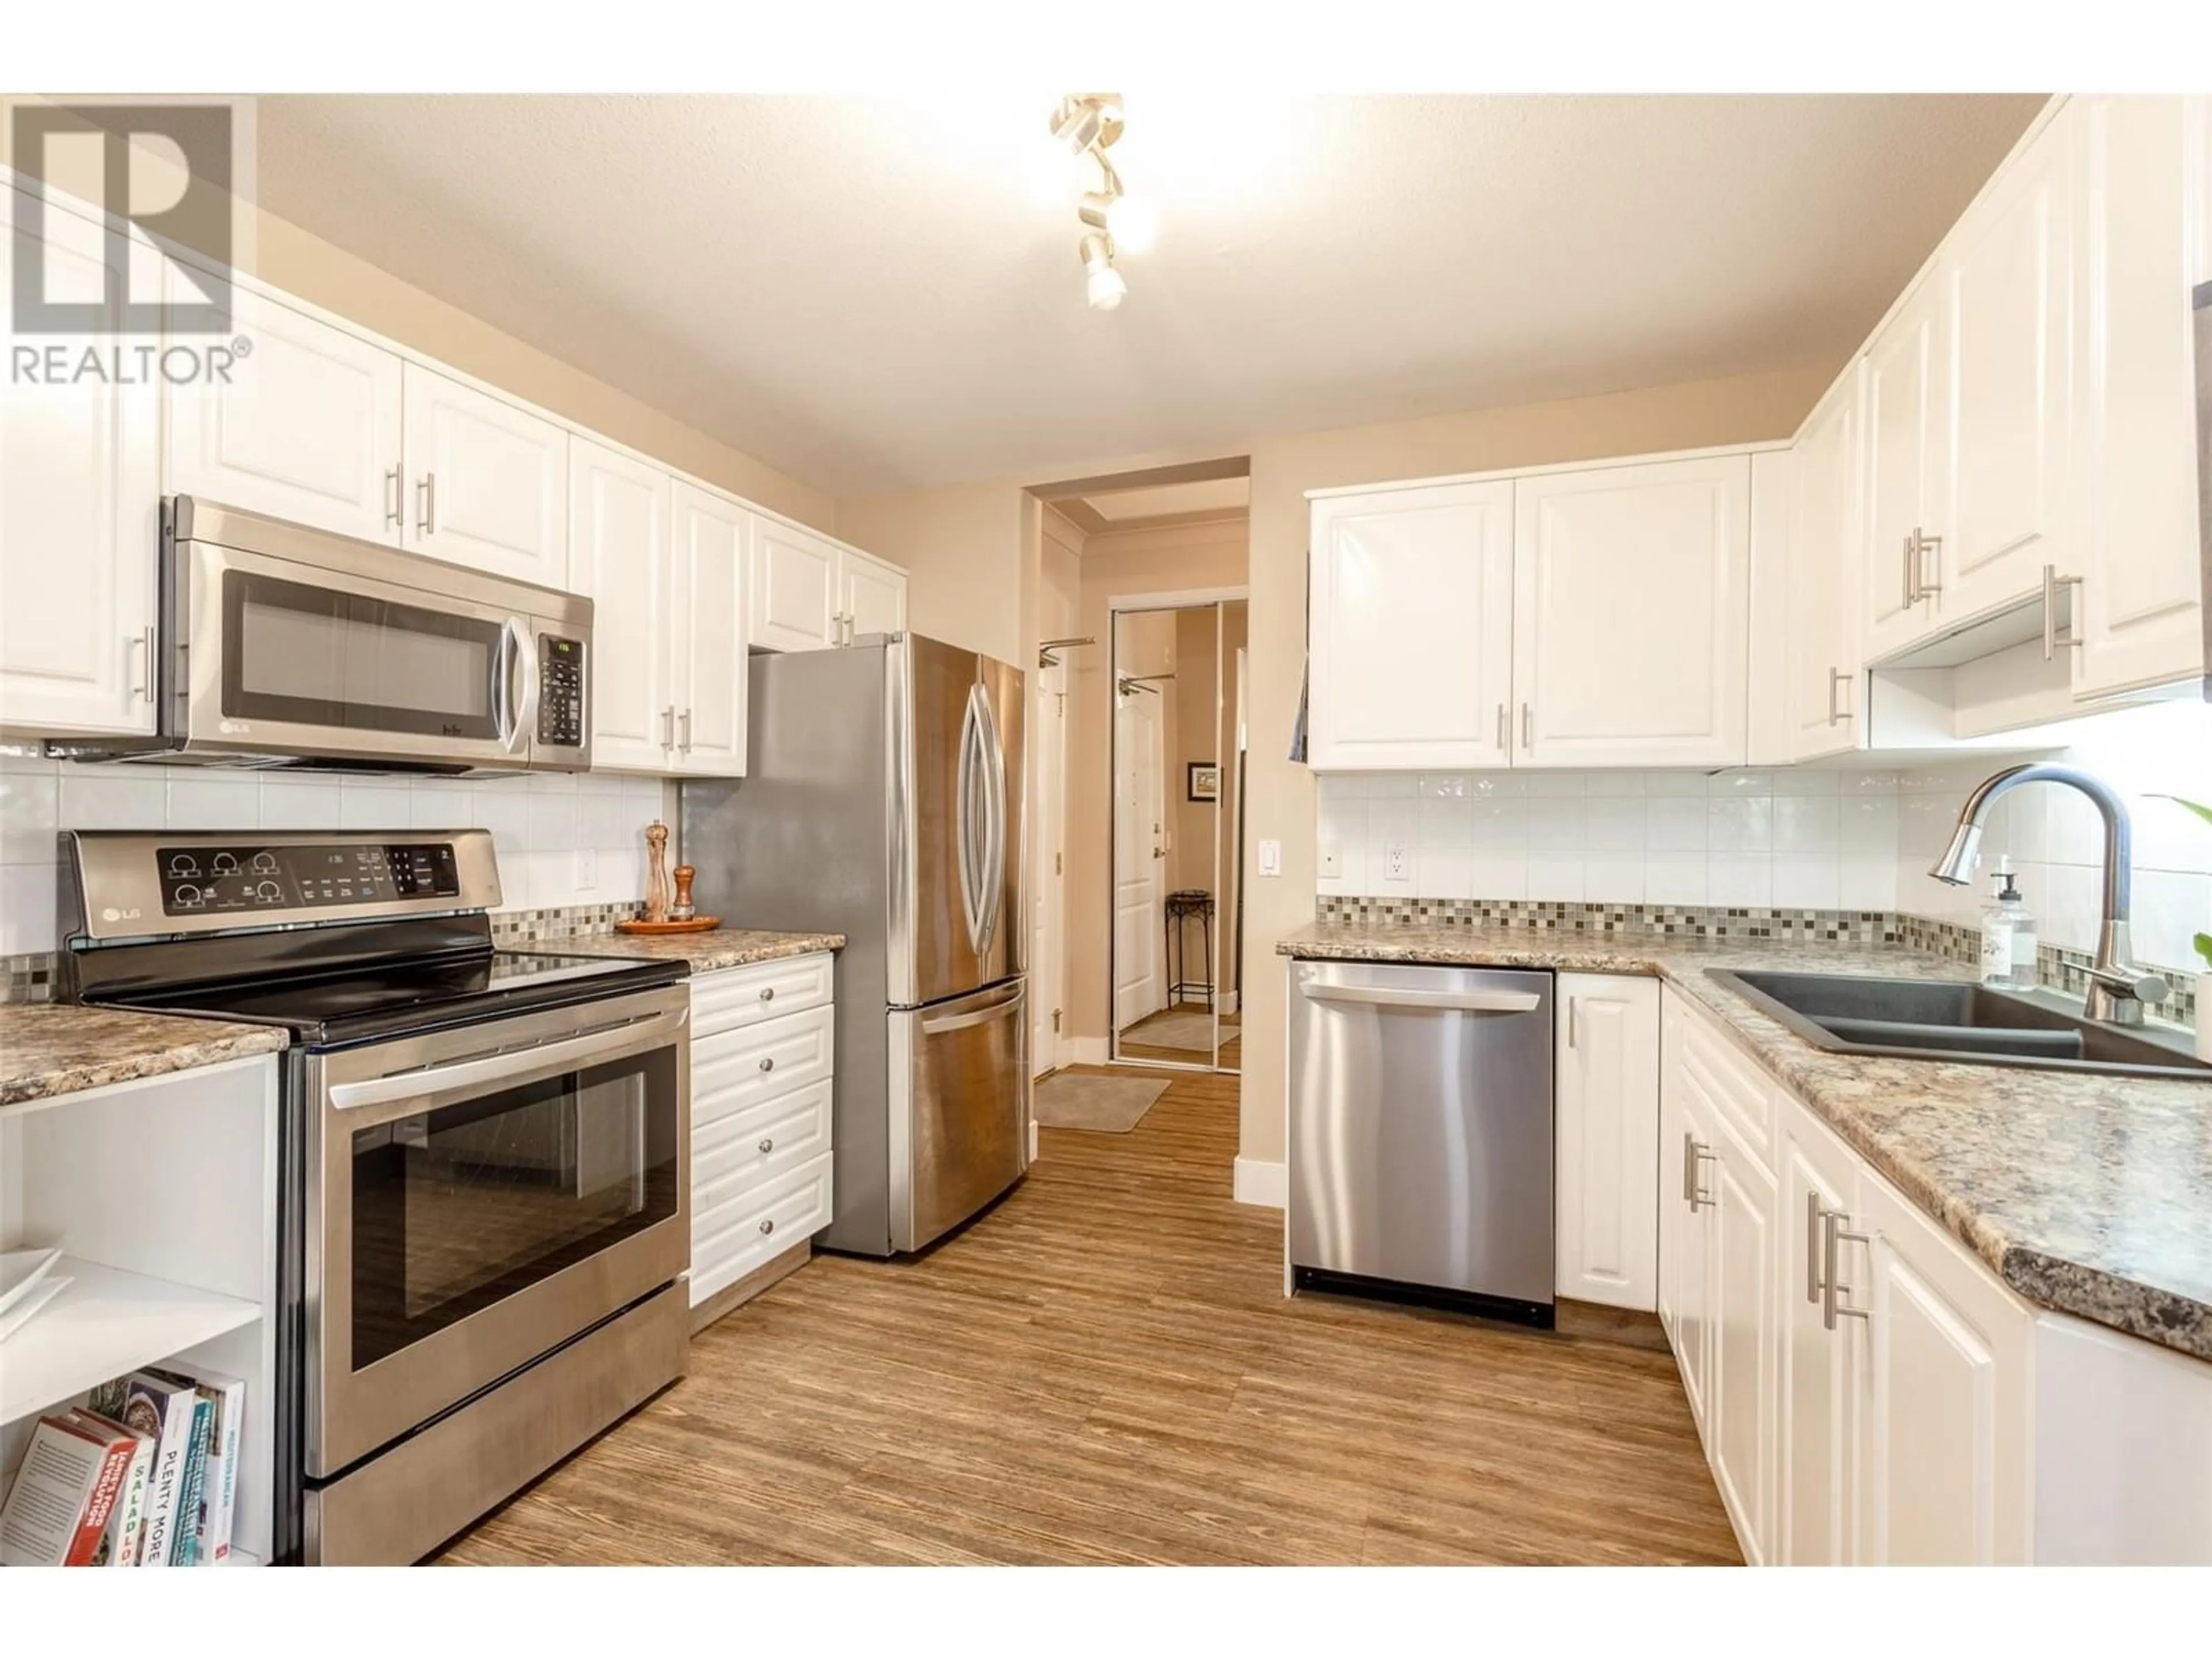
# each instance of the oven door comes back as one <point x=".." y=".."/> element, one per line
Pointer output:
<point x="297" y="660"/>
<point x="478" y="1197"/>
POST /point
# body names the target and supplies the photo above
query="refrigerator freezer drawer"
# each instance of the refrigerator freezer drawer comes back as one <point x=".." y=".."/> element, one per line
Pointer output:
<point x="1420" y="1131"/>
<point x="960" y="1109"/>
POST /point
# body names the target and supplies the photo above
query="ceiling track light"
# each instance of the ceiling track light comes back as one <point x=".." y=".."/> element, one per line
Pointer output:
<point x="1087" y="123"/>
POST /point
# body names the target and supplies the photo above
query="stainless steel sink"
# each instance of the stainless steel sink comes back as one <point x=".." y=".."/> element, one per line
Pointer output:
<point x="1926" y="1019"/>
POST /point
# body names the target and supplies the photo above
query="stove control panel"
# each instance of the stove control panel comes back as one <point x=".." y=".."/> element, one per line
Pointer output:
<point x="247" y="878"/>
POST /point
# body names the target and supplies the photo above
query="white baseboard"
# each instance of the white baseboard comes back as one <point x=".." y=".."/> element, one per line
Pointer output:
<point x="1087" y="1051"/>
<point x="1229" y="1002"/>
<point x="1262" y="1184"/>
<point x="1033" y="1141"/>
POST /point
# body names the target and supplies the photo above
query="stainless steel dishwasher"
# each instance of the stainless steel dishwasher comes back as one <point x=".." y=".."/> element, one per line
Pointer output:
<point x="1420" y="1133"/>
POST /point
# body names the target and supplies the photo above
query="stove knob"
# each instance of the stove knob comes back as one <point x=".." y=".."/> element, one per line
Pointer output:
<point x="269" y="890"/>
<point x="186" y="896"/>
<point x="184" y="865"/>
<point x="265" y="864"/>
<point x="226" y="864"/>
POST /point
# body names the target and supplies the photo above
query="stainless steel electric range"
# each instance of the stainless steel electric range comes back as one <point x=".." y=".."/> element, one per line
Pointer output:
<point x="485" y="1207"/>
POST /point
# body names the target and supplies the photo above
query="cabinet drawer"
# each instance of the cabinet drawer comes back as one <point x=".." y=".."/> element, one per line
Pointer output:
<point x="742" y="1149"/>
<point x="1742" y="1095"/>
<point x="745" y="996"/>
<point x="746" y="1231"/>
<point x="739" y="1068"/>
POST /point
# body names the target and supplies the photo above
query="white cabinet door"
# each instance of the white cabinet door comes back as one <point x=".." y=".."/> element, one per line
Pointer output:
<point x="2009" y="275"/>
<point x="1945" y="1433"/>
<point x="1684" y="1197"/>
<point x="80" y="525"/>
<point x="1740" y="1409"/>
<point x="706" y="631"/>
<point x="486" y="482"/>
<point x="620" y="560"/>
<point x="1608" y="1095"/>
<point x="1632" y="605"/>
<point x="794" y="589"/>
<point x="307" y="429"/>
<point x="1826" y="688"/>
<point x="1819" y="1475"/>
<point x="871" y="595"/>
<point x="1907" y="464"/>
<point x="2139" y="611"/>
<point x="1410" y="636"/>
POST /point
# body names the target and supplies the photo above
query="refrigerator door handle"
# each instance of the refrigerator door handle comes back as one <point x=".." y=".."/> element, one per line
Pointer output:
<point x="970" y="828"/>
<point x="994" y="795"/>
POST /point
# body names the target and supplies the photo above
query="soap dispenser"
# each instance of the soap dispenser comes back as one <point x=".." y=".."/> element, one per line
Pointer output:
<point x="2009" y="937"/>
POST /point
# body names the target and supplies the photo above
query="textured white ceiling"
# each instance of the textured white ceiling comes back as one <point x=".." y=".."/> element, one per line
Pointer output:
<point x="869" y="294"/>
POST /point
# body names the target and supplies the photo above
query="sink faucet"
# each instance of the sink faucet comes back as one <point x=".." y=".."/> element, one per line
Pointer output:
<point x="2118" y="988"/>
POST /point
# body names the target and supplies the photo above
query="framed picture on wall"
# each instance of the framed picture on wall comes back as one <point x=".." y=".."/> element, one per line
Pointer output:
<point x="1204" y="781"/>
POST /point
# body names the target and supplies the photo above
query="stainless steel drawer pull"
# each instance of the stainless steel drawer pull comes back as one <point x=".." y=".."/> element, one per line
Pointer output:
<point x="768" y="1144"/>
<point x="767" y="993"/>
<point x="1469" y="1002"/>
<point x="768" y="1226"/>
<point x="425" y="505"/>
<point x="767" y="1062"/>
<point x="1832" y="1239"/>
<point x="1694" y="1151"/>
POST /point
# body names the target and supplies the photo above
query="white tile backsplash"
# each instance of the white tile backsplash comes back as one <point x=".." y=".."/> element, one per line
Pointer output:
<point x="539" y="823"/>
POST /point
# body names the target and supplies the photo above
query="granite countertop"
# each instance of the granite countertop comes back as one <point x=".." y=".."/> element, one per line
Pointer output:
<point x="717" y="948"/>
<point x="57" y="1048"/>
<point x="2088" y="1194"/>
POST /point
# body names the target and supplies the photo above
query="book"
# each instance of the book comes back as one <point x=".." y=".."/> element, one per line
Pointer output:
<point x="159" y="1411"/>
<point x="126" y="1523"/>
<point x="184" y="1535"/>
<point x="63" y="1491"/>
<point x="219" y="1499"/>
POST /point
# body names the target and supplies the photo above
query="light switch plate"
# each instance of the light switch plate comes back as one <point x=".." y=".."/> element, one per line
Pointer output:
<point x="1396" y="866"/>
<point x="1270" y="858"/>
<point x="1329" y="858"/>
<point x="587" y="869"/>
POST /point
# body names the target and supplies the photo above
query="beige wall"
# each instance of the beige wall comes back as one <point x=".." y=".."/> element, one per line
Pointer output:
<point x="970" y="553"/>
<point x="1118" y="564"/>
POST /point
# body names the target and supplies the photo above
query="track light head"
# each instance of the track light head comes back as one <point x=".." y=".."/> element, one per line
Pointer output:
<point x="1087" y="119"/>
<point x="1102" y="285"/>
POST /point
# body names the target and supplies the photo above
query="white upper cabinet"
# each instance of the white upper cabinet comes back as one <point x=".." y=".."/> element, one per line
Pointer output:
<point x="795" y="589"/>
<point x="79" y="496"/>
<point x="486" y="481"/>
<point x="1944" y="1415"/>
<point x="307" y="429"/>
<point x="1908" y="463"/>
<point x="619" y="557"/>
<point x="1632" y="605"/>
<point x="706" y="631"/>
<point x="1412" y="628"/>
<point x="1607" y="1140"/>
<point x="2009" y="275"/>
<point x="1824" y="689"/>
<point x="2143" y="199"/>
<point x="871" y="594"/>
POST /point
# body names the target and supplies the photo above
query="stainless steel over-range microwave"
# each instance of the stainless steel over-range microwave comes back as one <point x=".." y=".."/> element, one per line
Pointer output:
<point x="281" y="645"/>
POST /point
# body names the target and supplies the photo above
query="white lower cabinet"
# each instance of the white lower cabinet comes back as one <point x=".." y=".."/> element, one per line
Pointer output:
<point x="762" y="1084"/>
<point x="1818" y="1409"/>
<point x="1607" y="1140"/>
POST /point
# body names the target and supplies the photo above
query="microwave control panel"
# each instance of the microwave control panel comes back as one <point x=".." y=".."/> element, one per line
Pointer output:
<point x="560" y="691"/>
<point x="249" y="878"/>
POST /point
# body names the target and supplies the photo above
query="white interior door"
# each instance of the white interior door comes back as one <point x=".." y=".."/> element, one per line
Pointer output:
<point x="1140" y="856"/>
<point x="1048" y="730"/>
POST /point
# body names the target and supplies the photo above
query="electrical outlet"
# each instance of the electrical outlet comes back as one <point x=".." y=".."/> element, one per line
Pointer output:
<point x="1396" y="867"/>
<point x="1329" y="858"/>
<point x="1270" y="858"/>
<point x="587" y="869"/>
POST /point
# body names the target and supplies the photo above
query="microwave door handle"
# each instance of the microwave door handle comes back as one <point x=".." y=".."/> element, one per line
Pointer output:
<point x="503" y="718"/>
<point x="526" y="721"/>
<point x="414" y="1092"/>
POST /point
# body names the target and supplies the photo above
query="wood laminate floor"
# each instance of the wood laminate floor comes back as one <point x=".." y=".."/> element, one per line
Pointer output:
<point x="1104" y="1368"/>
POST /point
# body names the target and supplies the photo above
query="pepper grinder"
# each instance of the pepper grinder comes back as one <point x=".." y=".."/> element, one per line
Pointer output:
<point x="656" y="871"/>
<point x="683" y="910"/>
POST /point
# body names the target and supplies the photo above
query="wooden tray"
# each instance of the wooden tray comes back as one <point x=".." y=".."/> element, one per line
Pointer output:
<point x="697" y="924"/>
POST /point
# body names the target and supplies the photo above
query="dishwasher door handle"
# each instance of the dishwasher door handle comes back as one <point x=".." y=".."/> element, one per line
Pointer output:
<point x="1471" y="1002"/>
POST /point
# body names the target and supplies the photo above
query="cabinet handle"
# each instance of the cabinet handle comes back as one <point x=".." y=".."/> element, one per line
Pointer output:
<point x="768" y="1225"/>
<point x="1912" y="587"/>
<point x="686" y="723"/>
<point x="2052" y="639"/>
<point x="1837" y="680"/>
<point x="1814" y="1212"/>
<point x="1832" y="1237"/>
<point x="144" y="643"/>
<point x="668" y="726"/>
<point x="1922" y="546"/>
<point x="767" y="993"/>
<point x="767" y="1062"/>
<point x="1694" y="1151"/>
<point x="425" y="505"/>
<point x="768" y="1144"/>
<point x="1573" y="1005"/>
<point x="1504" y="737"/>
<point x="1528" y="727"/>
<point x="392" y="511"/>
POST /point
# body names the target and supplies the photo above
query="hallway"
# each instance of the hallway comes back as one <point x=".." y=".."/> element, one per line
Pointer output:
<point x="1104" y="1368"/>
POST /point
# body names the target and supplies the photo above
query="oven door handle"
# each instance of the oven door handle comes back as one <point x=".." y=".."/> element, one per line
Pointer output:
<point x="518" y="1066"/>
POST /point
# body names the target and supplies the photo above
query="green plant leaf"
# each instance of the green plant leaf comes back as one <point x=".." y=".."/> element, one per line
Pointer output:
<point x="2204" y="948"/>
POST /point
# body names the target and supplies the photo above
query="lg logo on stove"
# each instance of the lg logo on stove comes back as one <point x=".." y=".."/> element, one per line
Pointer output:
<point x="110" y="913"/>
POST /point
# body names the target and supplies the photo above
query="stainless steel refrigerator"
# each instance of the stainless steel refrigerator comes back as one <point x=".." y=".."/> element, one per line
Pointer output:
<point x="883" y="799"/>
